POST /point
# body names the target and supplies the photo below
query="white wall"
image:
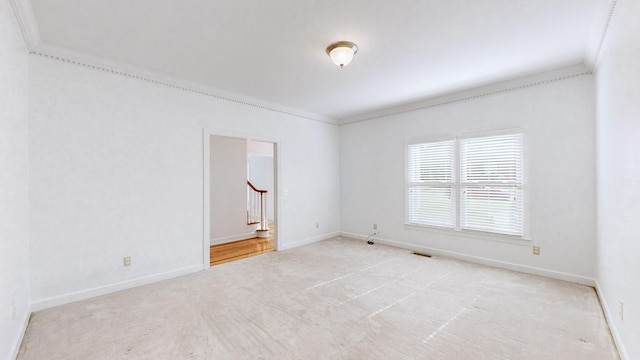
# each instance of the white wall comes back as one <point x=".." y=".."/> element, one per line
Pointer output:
<point x="618" y="146"/>
<point x="117" y="169"/>
<point x="229" y="190"/>
<point x="559" y="133"/>
<point x="260" y="148"/>
<point x="14" y="193"/>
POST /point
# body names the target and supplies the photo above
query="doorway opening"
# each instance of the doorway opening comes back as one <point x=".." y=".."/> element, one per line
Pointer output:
<point x="242" y="201"/>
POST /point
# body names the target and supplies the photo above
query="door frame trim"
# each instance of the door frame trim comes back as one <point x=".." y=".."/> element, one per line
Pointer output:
<point x="206" y="185"/>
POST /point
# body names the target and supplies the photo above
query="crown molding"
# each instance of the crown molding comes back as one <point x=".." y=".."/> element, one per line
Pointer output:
<point x="476" y="92"/>
<point x="28" y="25"/>
<point x="603" y="16"/>
<point x="26" y="22"/>
<point x="70" y="56"/>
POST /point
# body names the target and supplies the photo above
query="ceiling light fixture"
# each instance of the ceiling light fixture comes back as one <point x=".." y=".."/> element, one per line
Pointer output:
<point x="342" y="52"/>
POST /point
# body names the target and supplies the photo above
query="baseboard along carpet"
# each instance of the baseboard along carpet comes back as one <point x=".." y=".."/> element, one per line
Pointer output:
<point x="336" y="299"/>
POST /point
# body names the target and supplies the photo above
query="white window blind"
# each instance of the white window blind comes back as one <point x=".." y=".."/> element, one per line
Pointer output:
<point x="431" y="184"/>
<point x="491" y="184"/>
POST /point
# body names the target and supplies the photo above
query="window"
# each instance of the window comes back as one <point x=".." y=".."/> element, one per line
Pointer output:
<point x="491" y="184"/>
<point x="431" y="199"/>
<point x="472" y="183"/>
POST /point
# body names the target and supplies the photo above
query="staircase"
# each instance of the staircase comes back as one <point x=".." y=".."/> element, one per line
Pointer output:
<point x="257" y="209"/>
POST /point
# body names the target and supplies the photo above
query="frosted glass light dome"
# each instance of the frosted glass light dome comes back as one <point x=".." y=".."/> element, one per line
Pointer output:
<point x="342" y="52"/>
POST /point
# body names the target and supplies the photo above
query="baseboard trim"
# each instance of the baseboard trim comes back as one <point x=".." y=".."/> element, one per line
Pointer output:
<point x="23" y="330"/>
<point x="111" y="288"/>
<point x="622" y="351"/>
<point x="308" y="241"/>
<point x="582" y="280"/>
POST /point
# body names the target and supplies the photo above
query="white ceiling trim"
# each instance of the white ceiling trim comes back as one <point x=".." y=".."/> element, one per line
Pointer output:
<point x="93" y="62"/>
<point x="482" y="91"/>
<point x="27" y="22"/>
<point x="601" y="23"/>
<point x="29" y="28"/>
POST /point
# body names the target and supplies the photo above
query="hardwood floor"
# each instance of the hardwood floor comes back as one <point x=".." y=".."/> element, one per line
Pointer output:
<point x="241" y="249"/>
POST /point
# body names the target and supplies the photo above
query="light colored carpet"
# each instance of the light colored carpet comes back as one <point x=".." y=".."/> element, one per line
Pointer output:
<point x="337" y="299"/>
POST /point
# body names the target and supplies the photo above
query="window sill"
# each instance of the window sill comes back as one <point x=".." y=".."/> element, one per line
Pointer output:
<point x="478" y="235"/>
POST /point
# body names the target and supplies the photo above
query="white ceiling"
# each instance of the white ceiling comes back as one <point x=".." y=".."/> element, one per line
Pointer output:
<point x="275" y="50"/>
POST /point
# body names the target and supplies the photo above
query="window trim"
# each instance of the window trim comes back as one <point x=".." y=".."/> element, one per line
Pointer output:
<point x="525" y="239"/>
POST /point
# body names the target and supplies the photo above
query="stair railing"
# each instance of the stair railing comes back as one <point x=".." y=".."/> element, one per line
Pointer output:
<point x="257" y="207"/>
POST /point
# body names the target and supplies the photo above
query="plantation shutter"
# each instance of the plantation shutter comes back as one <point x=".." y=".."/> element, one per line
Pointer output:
<point x="431" y="187"/>
<point x="491" y="184"/>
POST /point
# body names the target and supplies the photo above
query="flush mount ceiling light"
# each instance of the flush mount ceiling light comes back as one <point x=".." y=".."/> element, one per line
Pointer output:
<point x="342" y="52"/>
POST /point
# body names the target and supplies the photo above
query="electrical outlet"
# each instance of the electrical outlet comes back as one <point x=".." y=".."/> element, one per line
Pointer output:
<point x="317" y="225"/>
<point x="13" y="309"/>
<point x="536" y="250"/>
<point x="621" y="310"/>
<point x="375" y="226"/>
<point x="126" y="261"/>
